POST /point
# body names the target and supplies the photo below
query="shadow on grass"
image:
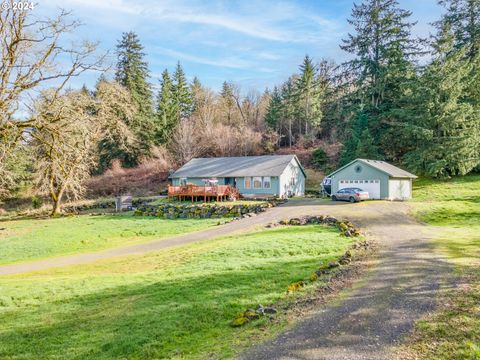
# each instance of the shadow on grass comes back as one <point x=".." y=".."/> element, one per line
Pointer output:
<point x="187" y="316"/>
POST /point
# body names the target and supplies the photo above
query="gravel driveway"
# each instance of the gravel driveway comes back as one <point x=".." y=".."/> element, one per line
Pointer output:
<point x="370" y="319"/>
<point x="374" y="316"/>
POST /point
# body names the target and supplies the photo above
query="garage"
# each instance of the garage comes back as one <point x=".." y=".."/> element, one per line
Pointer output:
<point x="372" y="186"/>
<point x="381" y="179"/>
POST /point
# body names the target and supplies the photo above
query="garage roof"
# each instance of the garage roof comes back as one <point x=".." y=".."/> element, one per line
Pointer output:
<point x="383" y="166"/>
<point x="268" y="165"/>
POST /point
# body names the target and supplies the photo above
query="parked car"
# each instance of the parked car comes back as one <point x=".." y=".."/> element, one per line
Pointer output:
<point x="350" y="194"/>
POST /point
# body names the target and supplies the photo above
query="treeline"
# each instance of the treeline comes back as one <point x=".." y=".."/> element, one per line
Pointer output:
<point x="412" y="101"/>
<point x="186" y="118"/>
<point x="400" y="98"/>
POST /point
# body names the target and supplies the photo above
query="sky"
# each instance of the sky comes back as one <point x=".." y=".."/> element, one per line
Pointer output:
<point x="255" y="44"/>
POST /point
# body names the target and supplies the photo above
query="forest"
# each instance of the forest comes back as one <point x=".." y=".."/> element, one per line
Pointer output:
<point x="411" y="101"/>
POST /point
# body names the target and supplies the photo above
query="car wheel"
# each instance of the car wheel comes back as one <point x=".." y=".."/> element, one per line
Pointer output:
<point x="352" y="199"/>
<point x="334" y="198"/>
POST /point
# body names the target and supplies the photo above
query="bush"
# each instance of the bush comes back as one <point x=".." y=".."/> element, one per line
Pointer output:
<point x="37" y="202"/>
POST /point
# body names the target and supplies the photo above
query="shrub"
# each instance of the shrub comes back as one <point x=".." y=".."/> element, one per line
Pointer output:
<point x="37" y="202"/>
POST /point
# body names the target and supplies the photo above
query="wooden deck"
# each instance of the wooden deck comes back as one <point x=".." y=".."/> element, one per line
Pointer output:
<point x="205" y="193"/>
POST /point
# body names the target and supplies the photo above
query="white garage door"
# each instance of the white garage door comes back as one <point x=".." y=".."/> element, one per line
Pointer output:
<point x="372" y="186"/>
<point x="399" y="189"/>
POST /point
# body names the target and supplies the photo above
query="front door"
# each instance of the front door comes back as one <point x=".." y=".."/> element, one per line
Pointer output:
<point x="229" y="181"/>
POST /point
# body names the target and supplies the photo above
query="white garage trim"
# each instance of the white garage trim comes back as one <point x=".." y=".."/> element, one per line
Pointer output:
<point x="371" y="185"/>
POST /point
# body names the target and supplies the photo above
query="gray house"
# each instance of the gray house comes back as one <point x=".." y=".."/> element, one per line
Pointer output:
<point x="381" y="179"/>
<point x="253" y="176"/>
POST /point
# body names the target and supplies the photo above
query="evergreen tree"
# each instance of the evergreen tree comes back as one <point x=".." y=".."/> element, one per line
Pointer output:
<point x="309" y="95"/>
<point x="273" y="114"/>
<point x="382" y="67"/>
<point x="181" y="93"/>
<point x="289" y="109"/>
<point x="463" y="16"/>
<point x="167" y="111"/>
<point x="132" y="73"/>
<point x="196" y="89"/>
<point x="382" y="39"/>
<point x="445" y="113"/>
<point x="228" y="102"/>
<point x="360" y="143"/>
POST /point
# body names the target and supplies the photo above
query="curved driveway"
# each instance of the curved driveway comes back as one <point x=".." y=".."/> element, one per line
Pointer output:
<point x="369" y="320"/>
<point x="374" y="317"/>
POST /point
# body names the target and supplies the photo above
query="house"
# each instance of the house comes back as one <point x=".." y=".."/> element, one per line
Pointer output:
<point x="381" y="179"/>
<point x="253" y="176"/>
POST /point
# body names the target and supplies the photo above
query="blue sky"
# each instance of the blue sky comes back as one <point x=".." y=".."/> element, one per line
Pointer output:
<point x="255" y="44"/>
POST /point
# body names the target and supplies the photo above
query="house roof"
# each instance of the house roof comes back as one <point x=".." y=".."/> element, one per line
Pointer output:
<point x="389" y="169"/>
<point x="268" y="165"/>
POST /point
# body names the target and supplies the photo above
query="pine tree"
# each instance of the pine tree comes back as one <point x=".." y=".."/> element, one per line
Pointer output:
<point x="167" y="111"/>
<point x="384" y="53"/>
<point x="360" y="143"/>
<point x="309" y="95"/>
<point x="463" y="16"/>
<point x="196" y="89"/>
<point x="289" y="108"/>
<point x="445" y="125"/>
<point x="273" y="114"/>
<point x="228" y="102"/>
<point x="132" y="73"/>
<point x="382" y="39"/>
<point x="181" y="93"/>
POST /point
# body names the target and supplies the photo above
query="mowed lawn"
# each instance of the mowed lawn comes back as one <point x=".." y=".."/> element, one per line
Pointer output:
<point x="176" y="303"/>
<point x="453" y="207"/>
<point x="32" y="239"/>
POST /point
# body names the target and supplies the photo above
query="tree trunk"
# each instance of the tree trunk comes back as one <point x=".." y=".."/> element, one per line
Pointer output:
<point x="56" y="199"/>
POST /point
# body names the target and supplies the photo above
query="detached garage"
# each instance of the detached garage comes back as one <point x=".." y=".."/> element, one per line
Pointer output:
<point x="381" y="179"/>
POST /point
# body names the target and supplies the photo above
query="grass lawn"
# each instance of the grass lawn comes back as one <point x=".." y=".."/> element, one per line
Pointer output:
<point x="171" y="304"/>
<point x="30" y="239"/>
<point x="453" y="207"/>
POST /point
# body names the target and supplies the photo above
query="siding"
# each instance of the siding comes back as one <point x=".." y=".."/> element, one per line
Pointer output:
<point x="273" y="191"/>
<point x="367" y="173"/>
<point x="400" y="189"/>
<point x="292" y="171"/>
<point x="196" y="181"/>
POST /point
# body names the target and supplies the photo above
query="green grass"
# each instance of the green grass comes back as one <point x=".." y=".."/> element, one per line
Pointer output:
<point x="31" y="239"/>
<point x="452" y="207"/>
<point x="171" y="304"/>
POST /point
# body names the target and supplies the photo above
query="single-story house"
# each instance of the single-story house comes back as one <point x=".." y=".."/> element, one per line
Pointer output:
<point x="253" y="176"/>
<point x="381" y="179"/>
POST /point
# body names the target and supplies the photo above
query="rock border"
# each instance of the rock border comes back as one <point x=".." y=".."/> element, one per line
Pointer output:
<point x="204" y="211"/>
<point x="345" y="227"/>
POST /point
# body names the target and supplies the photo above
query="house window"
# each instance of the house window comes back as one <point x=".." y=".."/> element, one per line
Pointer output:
<point x="248" y="182"/>
<point x="257" y="182"/>
<point x="267" y="182"/>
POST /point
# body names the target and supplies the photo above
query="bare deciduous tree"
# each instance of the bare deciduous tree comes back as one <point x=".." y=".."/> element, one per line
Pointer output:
<point x="66" y="135"/>
<point x="32" y="55"/>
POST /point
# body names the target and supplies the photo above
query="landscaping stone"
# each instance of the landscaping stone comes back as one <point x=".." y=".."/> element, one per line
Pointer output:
<point x="203" y="211"/>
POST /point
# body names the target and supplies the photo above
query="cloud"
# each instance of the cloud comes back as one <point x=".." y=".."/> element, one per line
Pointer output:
<point x="280" y="22"/>
<point x="229" y="62"/>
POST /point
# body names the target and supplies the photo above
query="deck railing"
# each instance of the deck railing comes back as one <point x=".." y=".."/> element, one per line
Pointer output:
<point x="210" y="192"/>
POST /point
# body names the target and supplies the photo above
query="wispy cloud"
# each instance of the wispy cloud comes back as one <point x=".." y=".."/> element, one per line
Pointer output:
<point x="227" y="62"/>
<point x="266" y="22"/>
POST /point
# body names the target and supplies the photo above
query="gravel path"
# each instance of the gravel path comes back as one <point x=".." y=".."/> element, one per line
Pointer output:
<point x="382" y="309"/>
